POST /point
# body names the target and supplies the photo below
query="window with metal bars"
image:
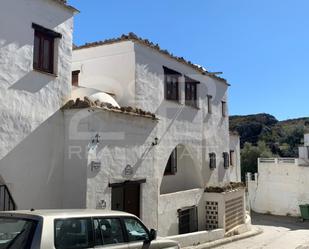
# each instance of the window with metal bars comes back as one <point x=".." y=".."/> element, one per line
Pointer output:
<point x="188" y="222"/>
<point x="191" y="92"/>
<point x="171" y="81"/>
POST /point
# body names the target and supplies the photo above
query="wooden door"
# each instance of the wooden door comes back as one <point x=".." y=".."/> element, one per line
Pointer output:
<point x="132" y="199"/>
<point x="126" y="197"/>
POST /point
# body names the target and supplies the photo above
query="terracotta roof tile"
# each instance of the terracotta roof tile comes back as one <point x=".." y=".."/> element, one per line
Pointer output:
<point x="134" y="38"/>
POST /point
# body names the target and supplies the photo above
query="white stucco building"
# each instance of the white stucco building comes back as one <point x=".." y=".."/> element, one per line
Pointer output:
<point x="35" y="65"/>
<point x="190" y="127"/>
<point x="281" y="184"/>
<point x="151" y="138"/>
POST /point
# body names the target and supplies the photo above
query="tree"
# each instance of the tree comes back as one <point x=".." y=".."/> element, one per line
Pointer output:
<point x="250" y="155"/>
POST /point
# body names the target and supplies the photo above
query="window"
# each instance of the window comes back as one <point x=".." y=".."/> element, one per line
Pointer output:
<point x="232" y="157"/>
<point x="188" y="220"/>
<point x="171" y="79"/>
<point x="108" y="231"/>
<point x="223" y="109"/>
<point x="43" y="51"/>
<point x="191" y="92"/>
<point x="16" y="232"/>
<point x="171" y="166"/>
<point x="75" y="75"/>
<point x="212" y="161"/>
<point x="209" y="104"/>
<point x="73" y="233"/>
<point x="226" y="158"/>
<point x="136" y="230"/>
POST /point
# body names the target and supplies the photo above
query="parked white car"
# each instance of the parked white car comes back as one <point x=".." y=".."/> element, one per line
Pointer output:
<point x="76" y="229"/>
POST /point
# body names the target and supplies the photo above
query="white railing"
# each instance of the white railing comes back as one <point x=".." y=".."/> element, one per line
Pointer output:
<point x="279" y="161"/>
<point x="267" y="160"/>
<point x="287" y="160"/>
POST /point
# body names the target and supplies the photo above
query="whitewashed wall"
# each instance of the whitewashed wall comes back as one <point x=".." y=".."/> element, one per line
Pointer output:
<point x="235" y="169"/>
<point x="194" y="129"/>
<point x="108" y="68"/>
<point x="168" y="210"/>
<point x="134" y="73"/>
<point x="279" y="189"/>
<point x="180" y="124"/>
<point x="33" y="170"/>
<point x="187" y="176"/>
<point x="30" y="132"/>
<point x="124" y="140"/>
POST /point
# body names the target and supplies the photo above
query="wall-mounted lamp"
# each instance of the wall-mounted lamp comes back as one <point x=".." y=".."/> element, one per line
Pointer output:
<point x="155" y="142"/>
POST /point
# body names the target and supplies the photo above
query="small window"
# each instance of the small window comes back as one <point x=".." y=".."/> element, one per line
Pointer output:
<point x="188" y="222"/>
<point x="223" y="109"/>
<point x="226" y="158"/>
<point x="43" y="50"/>
<point x="209" y="103"/>
<point x="232" y="157"/>
<point x="212" y="161"/>
<point x="136" y="230"/>
<point x="73" y="233"/>
<point x="75" y="75"/>
<point x="171" y="79"/>
<point x="108" y="231"/>
<point x="191" y="92"/>
<point x="171" y="166"/>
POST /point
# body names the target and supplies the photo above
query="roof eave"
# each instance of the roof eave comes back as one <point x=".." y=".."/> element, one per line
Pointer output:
<point x="69" y="7"/>
<point x="146" y="43"/>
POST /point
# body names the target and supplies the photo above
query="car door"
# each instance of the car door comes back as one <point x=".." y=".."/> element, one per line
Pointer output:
<point x="138" y="235"/>
<point x="73" y="233"/>
<point x="109" y="234"/>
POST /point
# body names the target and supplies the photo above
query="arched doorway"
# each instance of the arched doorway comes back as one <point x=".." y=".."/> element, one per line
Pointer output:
<point x="180" y="172"/>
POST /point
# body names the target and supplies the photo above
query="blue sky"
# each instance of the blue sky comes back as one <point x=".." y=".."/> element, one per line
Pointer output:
<point x="262" y="46"/>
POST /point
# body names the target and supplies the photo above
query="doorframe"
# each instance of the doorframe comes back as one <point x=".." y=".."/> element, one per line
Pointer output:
<point x="126" y="183"/>
<point x="129" y="183"/>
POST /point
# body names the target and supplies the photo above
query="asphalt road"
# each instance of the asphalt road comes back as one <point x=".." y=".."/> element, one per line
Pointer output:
<point x="279" y="233"/>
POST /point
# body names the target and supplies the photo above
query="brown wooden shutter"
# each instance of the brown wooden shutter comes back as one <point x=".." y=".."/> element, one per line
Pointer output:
<point x="174" y="161"/>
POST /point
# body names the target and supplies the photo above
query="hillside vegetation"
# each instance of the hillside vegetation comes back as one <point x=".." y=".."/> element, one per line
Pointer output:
<point x="262" y="135"/>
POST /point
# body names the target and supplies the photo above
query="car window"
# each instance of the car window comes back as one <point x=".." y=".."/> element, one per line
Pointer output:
<point x="136" y="231"/>
<point x="108" y="231"/>
<point x="73" y="233"/>
<point x="16" y="233"/>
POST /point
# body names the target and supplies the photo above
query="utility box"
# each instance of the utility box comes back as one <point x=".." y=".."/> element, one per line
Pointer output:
<point x="304" y="210"/>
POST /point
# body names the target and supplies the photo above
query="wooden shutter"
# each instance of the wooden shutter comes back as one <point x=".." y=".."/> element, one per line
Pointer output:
<point x="212" y="161"/>
<point x="226" y="158"/>
<point x="174" y="161"/>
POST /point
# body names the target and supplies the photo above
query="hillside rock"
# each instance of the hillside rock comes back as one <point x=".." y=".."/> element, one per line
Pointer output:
<point x="282" y="137"/>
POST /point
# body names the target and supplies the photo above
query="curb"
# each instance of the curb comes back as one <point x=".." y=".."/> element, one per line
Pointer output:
<point x="224" y="241"/>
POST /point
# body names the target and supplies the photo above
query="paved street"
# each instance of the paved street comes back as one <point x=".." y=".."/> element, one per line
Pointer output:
<point x="279" y="233"/>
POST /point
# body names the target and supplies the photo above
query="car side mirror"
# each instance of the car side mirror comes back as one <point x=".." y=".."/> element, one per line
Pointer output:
<point x="153" y="234"/>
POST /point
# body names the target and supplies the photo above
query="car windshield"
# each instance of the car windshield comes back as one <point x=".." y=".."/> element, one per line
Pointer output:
<point x="16" y="233"/>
